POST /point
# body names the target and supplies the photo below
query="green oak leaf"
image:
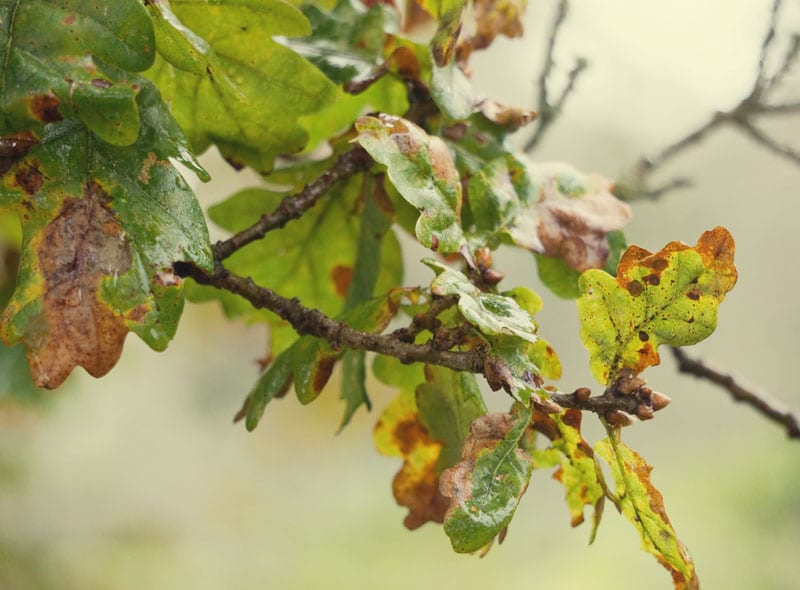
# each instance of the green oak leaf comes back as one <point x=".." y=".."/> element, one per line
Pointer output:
<point x="547" y="208"/>
<point x="642" y="504"/>
<point x="422" y="170"/>
<point x="447" y="403"/>
<point x="491" y="313"/>
<point x="77" y="69"/>
<point x="485" y="487"/>
<point x="229" y="83"/>
<point x="670" y="297"/>
<point x="318" y="272"/>
<point x="102" y="226"/>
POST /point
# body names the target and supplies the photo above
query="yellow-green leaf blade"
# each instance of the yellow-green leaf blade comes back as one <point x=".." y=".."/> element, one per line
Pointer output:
<point x="643" y="505"/>
<point x="670" y="297"/>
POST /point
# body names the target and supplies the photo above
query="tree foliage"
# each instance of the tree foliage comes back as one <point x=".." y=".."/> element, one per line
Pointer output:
<point x="363" y="132"/>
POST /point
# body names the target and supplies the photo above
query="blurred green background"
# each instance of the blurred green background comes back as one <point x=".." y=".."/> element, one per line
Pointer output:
<point x="139" y="480"/>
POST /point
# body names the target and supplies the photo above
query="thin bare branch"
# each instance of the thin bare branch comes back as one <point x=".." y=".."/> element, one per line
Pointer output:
<point x="548" y="111"/>
<point x="767" y="42"/>
<point x="293" y="206"/>
<point x="755" y="399"/>
<point x="741" y="116"/>
<point x="765" y="140"/>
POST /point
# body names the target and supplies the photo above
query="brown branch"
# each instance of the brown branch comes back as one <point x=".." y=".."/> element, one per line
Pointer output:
<point x="315" y="323"/>
<point x="293" y="206"/>
<point x="547" y="111"/>
<point x="757" y="400"/>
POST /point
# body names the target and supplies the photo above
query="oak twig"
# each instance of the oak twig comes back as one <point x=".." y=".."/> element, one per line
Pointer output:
<point x="547" y="110"/>
<point x="742" y="117"/>
<point x="293" y="206"/>
<point x="757" y="400"/>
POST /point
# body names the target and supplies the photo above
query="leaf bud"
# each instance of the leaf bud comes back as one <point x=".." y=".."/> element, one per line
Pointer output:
<point x="582" y="394"/>
<point x="619" y="418"/>
<point x="644" y="412"/>
<point x="659" y="401"/>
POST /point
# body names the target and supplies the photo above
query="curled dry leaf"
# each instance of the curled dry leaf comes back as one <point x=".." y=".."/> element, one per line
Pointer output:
<point x="492" y="18"/>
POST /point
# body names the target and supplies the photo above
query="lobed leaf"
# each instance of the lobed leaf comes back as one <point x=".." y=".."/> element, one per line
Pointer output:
<point x="484" y="488"/>
<point x="643" y="505"/>
<point x="422" y="170"/>
<point x="670" y="297"/>
<point x="102" y="226"/>
<point x="230" y="84"/>
<point x="79" y="69"/>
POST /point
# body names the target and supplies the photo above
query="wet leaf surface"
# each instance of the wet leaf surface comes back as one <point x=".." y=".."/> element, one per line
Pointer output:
<point x="79" y="69"/>
<point x="422" y="170"/>
<point x="102" y="226"/>
<point x="485" y="487"/>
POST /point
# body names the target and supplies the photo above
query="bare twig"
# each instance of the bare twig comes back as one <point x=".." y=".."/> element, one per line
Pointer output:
<point x="293" y="206"/>
<point x="548" y="110"/>
<point x="742" y="116"/>
<point x="757" y="400"/>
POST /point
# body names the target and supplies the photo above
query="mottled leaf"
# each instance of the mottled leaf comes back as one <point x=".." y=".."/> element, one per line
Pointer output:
<point x="485" y="487"/>
<point x="491" y="313"/>
<point x="669" y="297"/>
<point x="550" y="209"/>
<point x="577" y="470"/>
<point x="229" y="83"/>
<point x="102" y="227"/>
<point x="642" y="504"/>
<point x="71" y="59"/>
<point x="422" y="170"/>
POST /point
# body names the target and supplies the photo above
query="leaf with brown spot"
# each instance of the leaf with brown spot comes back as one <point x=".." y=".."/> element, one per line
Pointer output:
<point x="485" y="487"/>
<point x="550" y="209"/>
<point x="98" y="243"/>
<point x="422" y="170"/>
<point x="426" y="426"/>
<point x="670" y="297"/>
<point x="492" y="18"/>
<point x="73" y="59"/>
<point x="642" y="504"/>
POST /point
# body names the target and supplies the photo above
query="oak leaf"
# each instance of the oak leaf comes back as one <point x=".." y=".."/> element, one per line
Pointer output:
<point x="485" y="487"/>
<point x="668" y="297"/>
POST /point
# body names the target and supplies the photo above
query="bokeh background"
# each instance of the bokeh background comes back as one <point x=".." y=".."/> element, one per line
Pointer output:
<point x="140" y="481"/>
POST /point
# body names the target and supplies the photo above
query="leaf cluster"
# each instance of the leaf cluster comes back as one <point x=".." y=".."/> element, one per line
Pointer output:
<point x="362" y="133"/>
